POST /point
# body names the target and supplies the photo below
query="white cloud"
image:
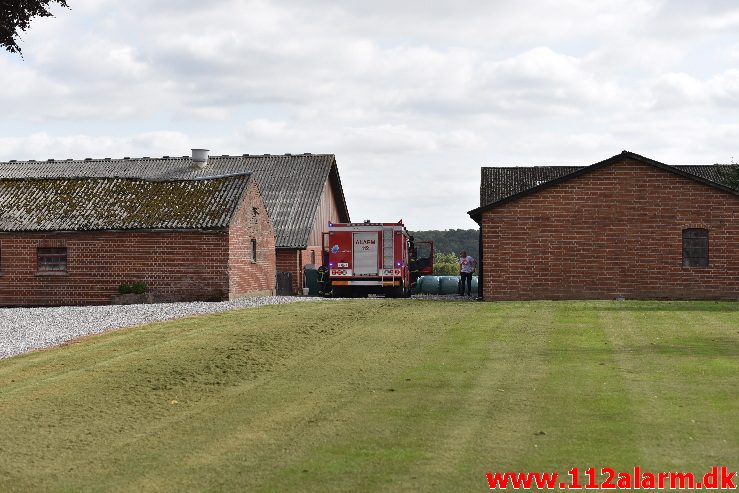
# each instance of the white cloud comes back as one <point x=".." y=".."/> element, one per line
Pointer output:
<point x="675" y="90"/>
<point x="725" y="89"/>
<point x="412" y="96"/>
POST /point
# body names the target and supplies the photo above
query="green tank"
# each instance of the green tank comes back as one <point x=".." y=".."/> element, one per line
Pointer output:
<point x="428" y="285"/>
<point x="473" y="285"/>
<point x="449" y="285"/>
<point x="311" y="279"/>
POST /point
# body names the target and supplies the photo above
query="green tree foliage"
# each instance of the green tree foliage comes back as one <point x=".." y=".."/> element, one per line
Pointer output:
<point x="16" y="15"/>
<point x="729" y="174"/>
<point x="446" y="264"/>
<point x="451" y="240"/>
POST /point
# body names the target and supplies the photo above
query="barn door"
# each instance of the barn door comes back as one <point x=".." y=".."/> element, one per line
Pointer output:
<point x="284" y="283"/>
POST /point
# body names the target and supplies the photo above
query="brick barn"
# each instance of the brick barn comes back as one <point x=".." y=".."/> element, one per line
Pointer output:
<point x="72" y="241"/>
<point x="302" y="192"/>
<point x="627" y="227"/>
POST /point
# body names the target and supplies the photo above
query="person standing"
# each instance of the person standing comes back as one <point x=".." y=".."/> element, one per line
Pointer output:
<point x="467" y="265"/>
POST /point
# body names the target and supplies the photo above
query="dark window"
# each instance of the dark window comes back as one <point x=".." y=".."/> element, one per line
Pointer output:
<point x="695" y="247"/>
<point x="52" y="259"/>
<point x="253" y="250"/>
<point x="313" y="257"/>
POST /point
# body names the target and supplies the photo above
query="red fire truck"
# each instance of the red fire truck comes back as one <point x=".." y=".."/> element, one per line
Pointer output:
<point x="379" y="258"/>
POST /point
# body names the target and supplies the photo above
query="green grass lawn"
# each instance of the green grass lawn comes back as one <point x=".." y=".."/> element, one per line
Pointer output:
<point x="368" y="395"/>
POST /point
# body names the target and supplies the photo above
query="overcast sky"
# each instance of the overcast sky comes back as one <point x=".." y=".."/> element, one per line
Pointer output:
<point x="412" y="96"/>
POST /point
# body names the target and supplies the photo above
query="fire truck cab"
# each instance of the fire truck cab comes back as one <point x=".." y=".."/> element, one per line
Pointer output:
<point x="373" y="258"/>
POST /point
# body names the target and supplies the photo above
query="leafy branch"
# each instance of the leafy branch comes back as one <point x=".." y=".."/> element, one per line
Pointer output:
<point x="16" y="16"/>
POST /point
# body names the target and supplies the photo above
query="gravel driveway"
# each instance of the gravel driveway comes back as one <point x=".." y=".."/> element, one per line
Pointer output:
<point x="25" y="329"/>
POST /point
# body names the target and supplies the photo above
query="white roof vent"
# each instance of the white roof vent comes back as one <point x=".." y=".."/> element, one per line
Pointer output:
<point x="200" y="157"/>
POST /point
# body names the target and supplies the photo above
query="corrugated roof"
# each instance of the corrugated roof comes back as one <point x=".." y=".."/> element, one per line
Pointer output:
<point x="291" y="185"/>
<point x="498" y="183"/>
<point x="94" y="204"/>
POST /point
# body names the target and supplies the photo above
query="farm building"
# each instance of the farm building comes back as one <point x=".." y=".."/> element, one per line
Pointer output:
<point x="69" y="241"/>
<point x="302" y="192"/>
<point x="626" y="227"/>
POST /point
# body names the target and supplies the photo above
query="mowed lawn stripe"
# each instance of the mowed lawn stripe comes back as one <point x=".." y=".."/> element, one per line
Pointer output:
<point x="44" y="366"/>
<point x="326" y="399"/>
<point x="584" y="415"/>
<point x="90" y="405"/>
<point x="490" y="422"/>
<point x="682" y="366"/>
<point x="253" y="425"/>
<point x="414" y="433"/>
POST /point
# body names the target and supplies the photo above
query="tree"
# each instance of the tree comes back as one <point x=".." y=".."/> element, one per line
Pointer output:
<point x="446" y="264"/>
<point x="16" y="15"/>
<point x="452" y="240"/>
<point x="729" y="174"/>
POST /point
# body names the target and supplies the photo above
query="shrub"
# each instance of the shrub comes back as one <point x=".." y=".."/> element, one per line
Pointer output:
<point x="447" y="264"/>
<point x="729" y="175"/>
<point x="140" y="288"/>
<point x="125" y="289"/>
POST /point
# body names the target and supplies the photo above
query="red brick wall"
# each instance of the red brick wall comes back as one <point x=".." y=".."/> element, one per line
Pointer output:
<point x="247" y="277"/>
<point x="289" y="260"/>
<point x="613" y="232"/>
<point x="293" y="260"/>
<point x="311" y="255"/>
<point x="175" y="266"/>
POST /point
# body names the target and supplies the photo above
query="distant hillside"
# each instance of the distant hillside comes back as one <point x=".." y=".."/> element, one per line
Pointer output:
<point x="451" y="240"/>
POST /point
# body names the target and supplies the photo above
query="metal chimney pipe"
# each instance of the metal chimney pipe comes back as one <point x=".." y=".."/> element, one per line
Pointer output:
<point x="200" y="157"/>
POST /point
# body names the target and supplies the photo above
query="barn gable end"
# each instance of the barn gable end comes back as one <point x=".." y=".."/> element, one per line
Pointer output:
<point x="612" y="230"/>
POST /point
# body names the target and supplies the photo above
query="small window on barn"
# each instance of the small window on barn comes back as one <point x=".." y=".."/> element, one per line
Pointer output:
<point x="253" y="250"/>
<point x="695" y="247"/>
<point x="52" y="259"/>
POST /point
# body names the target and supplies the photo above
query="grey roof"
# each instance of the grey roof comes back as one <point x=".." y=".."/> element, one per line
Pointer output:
<point x="94" y="204"/>
<point x="291" y="185"/>
<point x="499" y="183"/>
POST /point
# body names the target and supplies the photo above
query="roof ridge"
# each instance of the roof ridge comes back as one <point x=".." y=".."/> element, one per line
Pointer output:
<point x="530" y="166"/>
<point x="535" y="166"/>
<point x="124" y="178"/>
<point x="164" y="158"/>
